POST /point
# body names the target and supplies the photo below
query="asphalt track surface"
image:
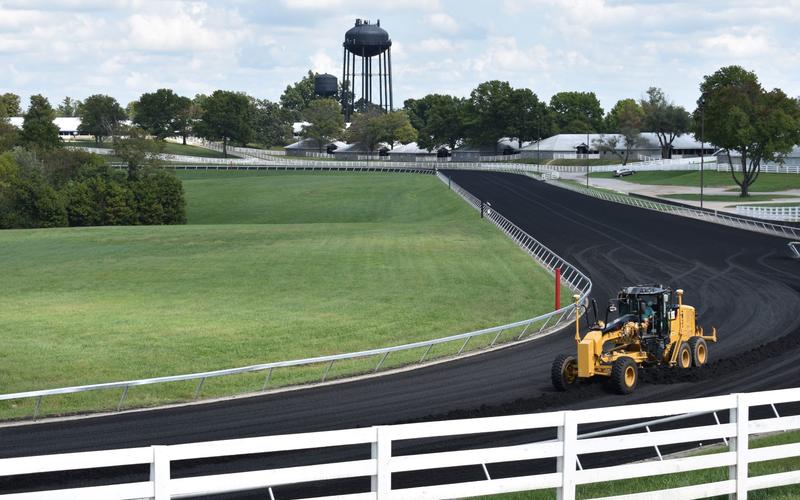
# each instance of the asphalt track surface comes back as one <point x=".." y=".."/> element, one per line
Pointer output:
<point x="743" y="283"/>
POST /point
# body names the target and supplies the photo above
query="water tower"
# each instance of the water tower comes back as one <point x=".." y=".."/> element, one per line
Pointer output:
<point x="325" y="85"/>
<point x="363" y="42"/>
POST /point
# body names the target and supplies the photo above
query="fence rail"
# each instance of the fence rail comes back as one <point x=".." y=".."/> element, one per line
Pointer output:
<point x="384" y="464"/>
<point x="786" y="214"/>
<point x="527" y="329"/>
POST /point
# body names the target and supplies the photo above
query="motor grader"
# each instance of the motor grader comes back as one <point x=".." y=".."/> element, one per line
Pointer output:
<point x="650" y="330"/>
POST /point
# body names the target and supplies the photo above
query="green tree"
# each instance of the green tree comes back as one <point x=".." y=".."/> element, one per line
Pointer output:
<point x="627" y="118"/>
<point x="38" y="129"/>
<point x="68" y="107"/>
<point x="367" y="129"/>
<point x="488" y="112"/>
<point x="443" y="124"/>
<point x="187" y="114"/>
<point x="100" y="116"/>
<point x="157" y="112"/>
<point x="528" y="114"/>
<point x="576" y="112"/>
<point x="271" y="124"/>
<point x="134" y="148"/>
<point x="227" y="116"/>
<point x="8" y="135"/>
<point x="9" y="105"/>
<point x="298" y="96"/>
<point x="395" y="127"/>
<point x="27" y="201"/>
<point x="739" y="115"/>
<point x="664" y="118"/>
<point x="327" y="122"/>
<point x="418" y="110"/>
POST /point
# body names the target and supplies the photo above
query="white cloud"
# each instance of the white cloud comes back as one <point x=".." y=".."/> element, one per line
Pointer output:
<point x="323" y="63"/>
<point x="182" y="30"/>
<point x="738" y="46"/>
<point x="440" y="21"/>
<point x="436" y="45"/>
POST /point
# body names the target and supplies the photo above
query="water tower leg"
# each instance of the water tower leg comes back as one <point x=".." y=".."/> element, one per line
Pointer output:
<point x="391" y="92"/>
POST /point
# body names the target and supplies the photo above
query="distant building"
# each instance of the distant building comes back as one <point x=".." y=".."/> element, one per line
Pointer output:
<point x="572" y="145"/>
<point x="504" y="146"/>
<point x="67" y="125"/>
<point x="308" y="145"/>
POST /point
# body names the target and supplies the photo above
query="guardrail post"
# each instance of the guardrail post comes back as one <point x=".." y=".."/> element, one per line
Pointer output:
<point x="381" y="482"/>
<point x="739" y="444"/>
<point x="568" y="435"/>
<point x="160" y="472"/>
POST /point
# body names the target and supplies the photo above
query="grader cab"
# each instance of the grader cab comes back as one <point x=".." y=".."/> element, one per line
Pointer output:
<point x="653" y="327"/>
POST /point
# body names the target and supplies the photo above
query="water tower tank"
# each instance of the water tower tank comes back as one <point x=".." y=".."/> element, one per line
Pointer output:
<point x="365" y="39"/>
<point x="325" y="85"/>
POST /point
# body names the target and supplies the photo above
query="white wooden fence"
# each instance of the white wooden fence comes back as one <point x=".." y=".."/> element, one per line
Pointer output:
<point x="566" y="449"/>
<point x="786" y="214"/>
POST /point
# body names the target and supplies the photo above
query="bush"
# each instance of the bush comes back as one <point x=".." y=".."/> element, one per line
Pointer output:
<point x="78" y="189"/>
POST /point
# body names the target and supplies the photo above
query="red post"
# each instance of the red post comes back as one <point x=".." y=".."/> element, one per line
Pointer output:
<point x="558" y="288"/>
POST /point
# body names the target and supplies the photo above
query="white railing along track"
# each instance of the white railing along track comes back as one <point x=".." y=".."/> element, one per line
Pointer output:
<point x="569" y="445"/>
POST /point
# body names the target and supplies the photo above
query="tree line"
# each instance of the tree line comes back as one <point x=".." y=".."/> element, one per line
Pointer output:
<point x="736" y="112"/>
<point x="43" y="184"/>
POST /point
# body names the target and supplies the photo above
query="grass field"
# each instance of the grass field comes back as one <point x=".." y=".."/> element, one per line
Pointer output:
<point x="169" y="148"/>
<point x="678" y="480"/>
<point x="272" y="266"/>
<point x="765" y="182"/>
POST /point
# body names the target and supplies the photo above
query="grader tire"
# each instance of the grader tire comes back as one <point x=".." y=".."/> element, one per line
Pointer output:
<point x="684" y="356"/>
<point x="624" y="375"/>
<point x="564" y="372"/>
<point x="699" y="350"/>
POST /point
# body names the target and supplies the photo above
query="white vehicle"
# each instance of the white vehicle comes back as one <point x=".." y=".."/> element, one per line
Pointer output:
<point x="622" y="172"/>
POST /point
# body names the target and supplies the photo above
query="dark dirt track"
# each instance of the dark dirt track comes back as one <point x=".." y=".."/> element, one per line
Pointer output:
<point x="743" y="283"/>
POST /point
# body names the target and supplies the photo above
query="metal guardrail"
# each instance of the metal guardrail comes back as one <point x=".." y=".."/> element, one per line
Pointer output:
<point x="535" y="327"/>
<point x="794" y="247"/>
<point x="708" y="216"/>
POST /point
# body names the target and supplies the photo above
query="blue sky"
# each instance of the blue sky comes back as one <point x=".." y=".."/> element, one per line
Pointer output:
<point x="615" y="48"/>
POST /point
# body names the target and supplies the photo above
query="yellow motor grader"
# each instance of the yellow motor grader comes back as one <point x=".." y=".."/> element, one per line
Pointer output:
<point x="650" y="330"/>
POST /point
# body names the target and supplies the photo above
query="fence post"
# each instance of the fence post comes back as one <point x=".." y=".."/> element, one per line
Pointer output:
<point x="381" y="482"/>
<point x="739" y="444"/>
<point x="568" y="435"/>
<point x="159" y="472"/>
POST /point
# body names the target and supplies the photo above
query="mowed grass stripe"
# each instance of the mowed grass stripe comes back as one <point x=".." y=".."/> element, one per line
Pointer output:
<point x="399" y="259"/>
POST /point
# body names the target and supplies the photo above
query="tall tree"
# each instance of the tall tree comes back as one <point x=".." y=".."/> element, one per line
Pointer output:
<point x="327" y="122"/>
<point x="418" y="110"/>
<point x="367" y="129"/>
<point x="271" y="123"/>
<point x="158" y="112"/>
<point x="9" y="105"/>
<point x="396" y="128"/>
<point x="528" y="112"/>
<point x="186" y="114"/>
<point x="136" y="149"/>
<point x="100" y="116"/>
<point x="627" y="118"/>
<point x="227" y="116"/>
<point x="68" y="107"/>
<point x="298" y="96"/>
<point x="739" y="115"/>
<point x="664" y="118"/>
<point x="577" y="112"/>
<point x="488" y="113"/>
<point x="444" y="122"/>
<point x="38" y="129"/>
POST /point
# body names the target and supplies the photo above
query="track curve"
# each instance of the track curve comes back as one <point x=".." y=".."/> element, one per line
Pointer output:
<point x="743" y="283"/>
